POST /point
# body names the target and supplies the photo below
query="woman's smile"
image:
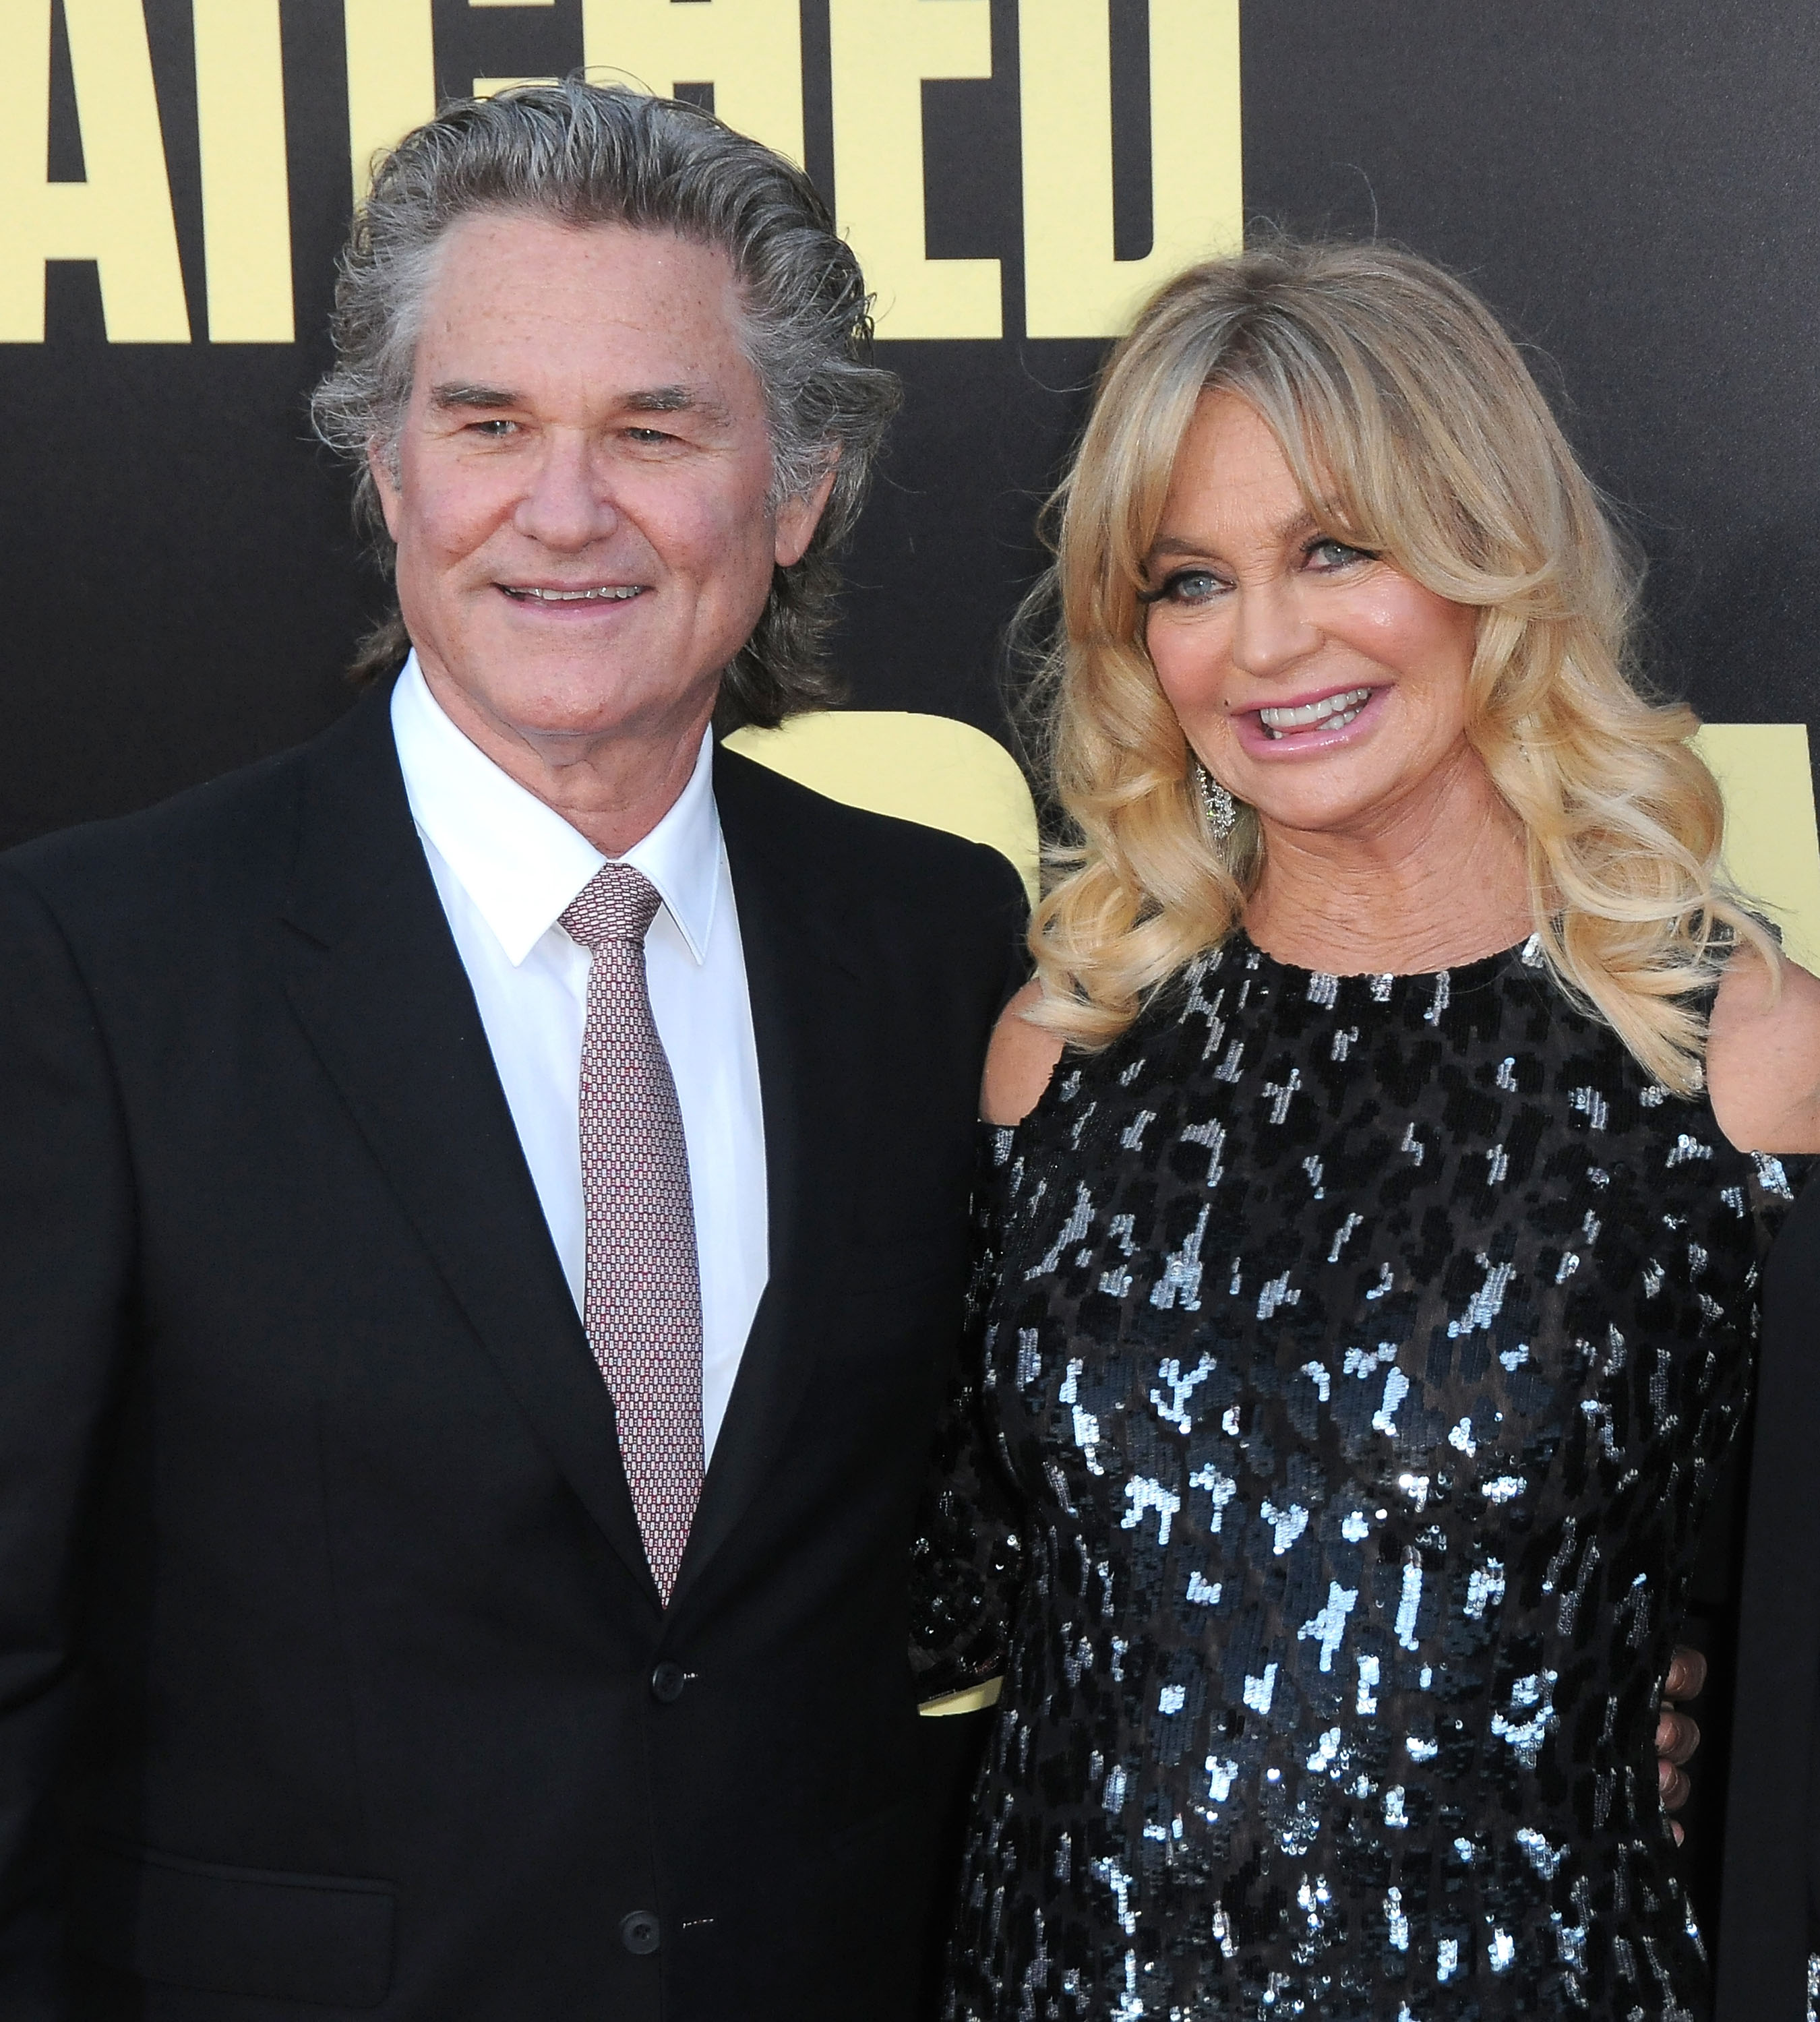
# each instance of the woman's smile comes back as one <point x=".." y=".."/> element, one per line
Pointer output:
<point x="1303" y="729"/>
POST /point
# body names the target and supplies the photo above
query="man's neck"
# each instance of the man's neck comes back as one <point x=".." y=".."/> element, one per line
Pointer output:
<point x="613" y="789"/>
<point x="1438" y="880"/>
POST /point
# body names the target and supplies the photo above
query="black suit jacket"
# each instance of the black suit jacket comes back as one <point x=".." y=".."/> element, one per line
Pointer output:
<point x="1768" y="1923"/>
<point x="332" y="1675"/>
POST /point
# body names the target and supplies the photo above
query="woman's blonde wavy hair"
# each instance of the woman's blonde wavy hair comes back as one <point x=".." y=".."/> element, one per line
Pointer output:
<point x="1415" y="430"/>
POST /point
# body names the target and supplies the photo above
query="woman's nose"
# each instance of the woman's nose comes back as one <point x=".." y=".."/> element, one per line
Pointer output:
<point x="1271" y="631"/>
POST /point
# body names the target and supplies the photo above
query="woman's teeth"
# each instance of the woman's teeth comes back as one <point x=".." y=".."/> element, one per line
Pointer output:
<point x="1332" y="713"/>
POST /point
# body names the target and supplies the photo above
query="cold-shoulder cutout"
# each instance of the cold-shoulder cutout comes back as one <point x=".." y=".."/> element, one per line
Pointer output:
<point x="1019" y="1061"/>
<point x="1762" y="1057"/>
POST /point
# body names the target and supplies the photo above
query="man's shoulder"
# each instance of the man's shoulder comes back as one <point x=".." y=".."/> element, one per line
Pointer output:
<point x="232" y="838"/>
<point x="216" y="822"/>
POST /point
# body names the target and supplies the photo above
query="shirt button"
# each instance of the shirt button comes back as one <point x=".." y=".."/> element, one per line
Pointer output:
<point x="666" y="1683"/>
<point x="638" y="1932"/>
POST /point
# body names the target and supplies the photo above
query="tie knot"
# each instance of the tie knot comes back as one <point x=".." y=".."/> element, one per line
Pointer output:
<point x="617" y="903"/>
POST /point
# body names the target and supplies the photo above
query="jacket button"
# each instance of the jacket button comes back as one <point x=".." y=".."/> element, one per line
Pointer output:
<point x="666" y="1683"/>
<point x="638" y="1932"/>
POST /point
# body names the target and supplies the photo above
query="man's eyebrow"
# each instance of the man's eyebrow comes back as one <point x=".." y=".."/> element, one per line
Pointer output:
<point x="464" y="393"/>
<point x="673" y="400"/>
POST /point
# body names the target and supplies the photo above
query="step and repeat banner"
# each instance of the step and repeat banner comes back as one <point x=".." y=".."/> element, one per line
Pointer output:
<point x="1636" y="189"/>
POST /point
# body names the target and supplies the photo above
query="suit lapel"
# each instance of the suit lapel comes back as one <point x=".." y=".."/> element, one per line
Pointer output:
<point x="804" y="1015"/>
<point x="378" y="985"/>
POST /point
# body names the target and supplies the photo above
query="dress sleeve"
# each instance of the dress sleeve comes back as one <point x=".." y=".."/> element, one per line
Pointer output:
<point x="1775" y="1186"/>
<point x="967" y="1561"/>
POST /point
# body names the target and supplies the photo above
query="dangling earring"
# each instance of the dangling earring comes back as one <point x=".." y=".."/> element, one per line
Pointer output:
<point x="1222" y="808"/>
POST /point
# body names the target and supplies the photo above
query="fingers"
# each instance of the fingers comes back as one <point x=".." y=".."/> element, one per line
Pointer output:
<point x="1677" y="1736"/>
<point x="1687" y="1677"/>
<point x="1674" y="1786"/>
<point x="1679" y="1832"/>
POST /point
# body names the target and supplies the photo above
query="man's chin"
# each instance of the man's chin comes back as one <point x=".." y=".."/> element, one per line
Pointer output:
<point x="554" y="698"/>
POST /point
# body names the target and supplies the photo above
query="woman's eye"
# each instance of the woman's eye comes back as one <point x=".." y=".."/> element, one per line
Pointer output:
<point x="1330" y="554"/>
<point x="1190" y="586"/>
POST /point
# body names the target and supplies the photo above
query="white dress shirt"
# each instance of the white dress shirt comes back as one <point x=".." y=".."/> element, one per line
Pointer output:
<point x="506" y="866"/>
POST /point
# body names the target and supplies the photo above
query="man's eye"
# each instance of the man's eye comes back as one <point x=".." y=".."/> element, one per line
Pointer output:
<point x="494" y="428"/>
<point x="649" y="438"/>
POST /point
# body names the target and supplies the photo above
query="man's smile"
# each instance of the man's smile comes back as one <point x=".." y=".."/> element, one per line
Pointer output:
<point x="608" y="593"/>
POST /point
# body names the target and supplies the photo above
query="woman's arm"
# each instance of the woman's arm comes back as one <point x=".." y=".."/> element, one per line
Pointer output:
<point x="1762" y="1057"/>
<point x="967" y="1562"/>
<point x="1019" y="1061"/>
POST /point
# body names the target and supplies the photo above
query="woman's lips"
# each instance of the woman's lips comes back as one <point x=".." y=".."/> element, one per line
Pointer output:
<point x="1323" y="723"/>
<point x="1334" y="712"/>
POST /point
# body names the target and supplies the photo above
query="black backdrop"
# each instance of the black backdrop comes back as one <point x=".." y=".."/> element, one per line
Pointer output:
<point x="1635" y="187"/>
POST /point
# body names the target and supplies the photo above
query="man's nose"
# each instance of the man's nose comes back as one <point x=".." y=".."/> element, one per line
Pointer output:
<point x="568" y="502"/>
<point x="1271" y="631"/>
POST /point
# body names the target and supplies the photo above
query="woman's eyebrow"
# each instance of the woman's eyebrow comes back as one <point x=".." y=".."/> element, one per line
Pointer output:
<point x="1292" y="528"/>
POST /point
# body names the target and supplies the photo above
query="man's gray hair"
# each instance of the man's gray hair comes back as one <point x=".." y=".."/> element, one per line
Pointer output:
<point x="586" y="154"/>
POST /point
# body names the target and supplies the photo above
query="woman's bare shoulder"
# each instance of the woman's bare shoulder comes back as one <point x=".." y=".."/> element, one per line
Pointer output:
<point x="1019" y="1061"/>
<point x="1762" y="1057"/>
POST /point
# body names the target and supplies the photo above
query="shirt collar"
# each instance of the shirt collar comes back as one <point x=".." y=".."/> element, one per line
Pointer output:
<point x="516" y="857"/>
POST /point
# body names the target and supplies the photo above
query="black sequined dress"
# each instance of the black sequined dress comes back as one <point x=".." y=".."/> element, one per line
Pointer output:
<point x="1362" y="1353"/>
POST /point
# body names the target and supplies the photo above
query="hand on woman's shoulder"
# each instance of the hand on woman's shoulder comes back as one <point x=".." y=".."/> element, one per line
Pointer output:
<point x="1019" y="1061"/>
<point x="1762" y="1057"/>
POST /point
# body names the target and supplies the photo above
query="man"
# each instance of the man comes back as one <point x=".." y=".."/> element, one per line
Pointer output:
<point x="482" y="1196"/>
<point x="1769" y="1933"/>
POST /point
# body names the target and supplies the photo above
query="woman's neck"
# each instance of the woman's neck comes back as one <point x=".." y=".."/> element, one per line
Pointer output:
<point x="1437" y="880"/>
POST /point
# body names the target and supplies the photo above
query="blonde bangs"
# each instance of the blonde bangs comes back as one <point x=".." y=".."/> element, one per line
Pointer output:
<point x="1413" y="429"/>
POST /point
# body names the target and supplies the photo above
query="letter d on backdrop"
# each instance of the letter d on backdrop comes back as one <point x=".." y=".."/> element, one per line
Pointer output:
<point x="120" y="216"/>
<point x="1073" y="285"/>
<point x="882" y="51"/>
<point x="751" y="51"/>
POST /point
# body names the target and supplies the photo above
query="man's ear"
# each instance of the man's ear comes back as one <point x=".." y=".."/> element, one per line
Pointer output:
<point x="387" y="485"/>
<point x="797" y="520"/>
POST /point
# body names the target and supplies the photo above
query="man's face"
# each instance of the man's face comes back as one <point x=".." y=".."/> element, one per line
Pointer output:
<point x="580" y="502"/>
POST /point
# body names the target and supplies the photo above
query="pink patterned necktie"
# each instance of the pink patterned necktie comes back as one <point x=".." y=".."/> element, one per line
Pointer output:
<point x="643" y="1304"/>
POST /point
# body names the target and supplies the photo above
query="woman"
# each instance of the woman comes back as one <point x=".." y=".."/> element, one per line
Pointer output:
<point x="1379" y="1189"/>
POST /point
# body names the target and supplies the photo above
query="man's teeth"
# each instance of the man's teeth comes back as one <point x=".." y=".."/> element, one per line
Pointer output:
<point x="610" y="593"/>
<point x="1332" y="713"/>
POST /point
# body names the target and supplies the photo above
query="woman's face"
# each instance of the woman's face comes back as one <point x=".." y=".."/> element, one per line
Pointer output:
<point x="1319" y="684"/>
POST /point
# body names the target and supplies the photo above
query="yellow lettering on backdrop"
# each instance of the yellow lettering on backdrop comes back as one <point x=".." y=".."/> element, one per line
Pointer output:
<point x="1073" y="285"/>
<point x="245" y="196"/>
<point x="751" y="51"/>
<point x="921" y="768"/>
<point x="882" y="50"/>
<point x="1772" y="849"/>
<point x="391" y="54"/>
<point x="121" y="217"/>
